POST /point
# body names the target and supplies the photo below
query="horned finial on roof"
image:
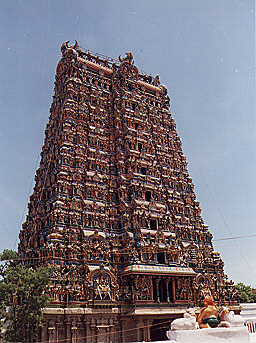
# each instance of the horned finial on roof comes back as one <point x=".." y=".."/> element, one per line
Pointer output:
<point x="65" y="47"/>
<point x="156" y="81"/>
<point x="128" y="58"/>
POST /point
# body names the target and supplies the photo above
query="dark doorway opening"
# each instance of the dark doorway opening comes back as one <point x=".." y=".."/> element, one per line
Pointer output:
<point x="170" y="292"/>
<point x="153" y="224"/>
<point x="148" y="196"/>
<point x="162" y="291"/>
<point x="143" y="171"/>
<point x="161" y="257"/>
<point x="158" y="330"/>
<point x="155" y="297"/>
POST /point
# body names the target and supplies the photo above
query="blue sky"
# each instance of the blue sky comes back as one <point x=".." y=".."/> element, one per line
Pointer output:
<point x="204" y="52"/>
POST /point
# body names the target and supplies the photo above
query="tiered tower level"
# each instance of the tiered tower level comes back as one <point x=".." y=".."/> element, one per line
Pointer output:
<point x="113" y="206"/>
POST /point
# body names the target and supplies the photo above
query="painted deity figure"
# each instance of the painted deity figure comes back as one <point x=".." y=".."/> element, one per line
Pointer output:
<point x="102" y="287"/>
<point x="208" y="316"/>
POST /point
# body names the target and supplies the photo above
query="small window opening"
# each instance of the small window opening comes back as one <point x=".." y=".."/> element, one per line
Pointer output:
<point x="129" y="197"/>
<point x="153" y="224"/>
<point x="130" y="87"/>
<point x="76" y="139"/>
<point x="148" y="196"/>
<point x="161" y="257"/>
<point x="143" y="171"/>
<point x="162" y="291"/>
<point x="66" y="220"/>
<point x="140" y="146"/>
<point x="118" y="226"/>
<point x="115" y="197"/>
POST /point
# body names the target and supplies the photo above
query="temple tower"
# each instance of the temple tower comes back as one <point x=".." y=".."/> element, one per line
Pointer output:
<point x="114" y="207"/>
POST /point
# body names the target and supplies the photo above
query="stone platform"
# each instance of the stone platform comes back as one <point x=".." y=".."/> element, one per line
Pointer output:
<point x="218" y="335"/>
<point x="248" y="311"/>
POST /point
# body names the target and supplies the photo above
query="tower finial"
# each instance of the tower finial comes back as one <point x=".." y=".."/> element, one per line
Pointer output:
<point x="75" y="47"/>
<point x="129" y="58"/>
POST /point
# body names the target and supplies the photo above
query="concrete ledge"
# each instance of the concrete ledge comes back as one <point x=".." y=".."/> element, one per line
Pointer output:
<point x="78" y="310"/>
<point x="218" y="335"/>
<point x="57" y="310"/>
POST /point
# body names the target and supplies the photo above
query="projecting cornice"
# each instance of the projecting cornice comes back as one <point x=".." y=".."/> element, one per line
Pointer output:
<point x="101" y="65"/>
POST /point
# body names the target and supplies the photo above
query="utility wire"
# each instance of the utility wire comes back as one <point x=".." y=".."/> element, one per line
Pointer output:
<point x="237" y="247"/>
<point x="235" y="237"/>
<point x="111" y="333"/>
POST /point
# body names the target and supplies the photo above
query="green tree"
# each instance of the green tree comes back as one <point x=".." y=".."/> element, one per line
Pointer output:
<point x="246" y="293"/>
<point x="22" y="297"/>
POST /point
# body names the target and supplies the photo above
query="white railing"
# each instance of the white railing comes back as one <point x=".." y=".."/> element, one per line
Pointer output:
<point x="251" y="325"/>
<point x="248" y="312"/>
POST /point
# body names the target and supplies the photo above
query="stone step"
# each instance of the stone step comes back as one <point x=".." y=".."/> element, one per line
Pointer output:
<point x="248" y="314"/>
<point x="218" y="335"/>
<point x="247" y="306"/>
<point x="248" y="311"/>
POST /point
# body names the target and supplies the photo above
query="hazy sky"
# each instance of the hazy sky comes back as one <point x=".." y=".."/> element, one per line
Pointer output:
<point x="203" y="51"/>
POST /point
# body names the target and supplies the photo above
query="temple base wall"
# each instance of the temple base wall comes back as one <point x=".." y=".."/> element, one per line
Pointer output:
<point x="108" y="325"/>
<point x="79" y="325"/>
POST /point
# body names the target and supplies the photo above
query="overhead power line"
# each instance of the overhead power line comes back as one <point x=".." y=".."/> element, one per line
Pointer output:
<point x="234" y="237"/>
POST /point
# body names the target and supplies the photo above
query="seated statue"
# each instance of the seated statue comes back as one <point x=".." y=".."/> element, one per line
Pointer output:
<point x="221" y="325"/>
<point x="229" y="319"/>
<point x="209" y="315"/>
<point x="187" y="323"/>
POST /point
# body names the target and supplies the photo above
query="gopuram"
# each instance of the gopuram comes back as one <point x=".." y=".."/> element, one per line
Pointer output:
<point x="114" y="208"/>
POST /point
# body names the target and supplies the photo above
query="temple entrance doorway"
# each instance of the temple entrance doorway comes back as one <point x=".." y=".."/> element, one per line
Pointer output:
<point x="170" y="291"/>
<point x="162" y="291"/>
<point x="158" y="330"/>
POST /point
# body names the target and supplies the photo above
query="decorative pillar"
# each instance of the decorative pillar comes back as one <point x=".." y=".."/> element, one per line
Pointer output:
<point x="116" y="331"/>
<point x="58" y="330"/>
<point x="149" y="324"/>
<point x="88" y="331"/>
<point x="146" y="331"/>
<point x="167" y="282"/>
<point x="140" y="331"/>
<point x="52" y="332"/>
<point x="74" y="329"/>
<point x="44" y="334"/>
<point x="108" y="335"/>
<point x="174" y="290"/>
<point x="101" y="335"/>
<point x="103" y="330"/>
<point x="170" y="287"/>
<point x="81" y="332"/>
<point x="157" y="290"/>
<point x="68" y="331"/>
<point x="110" y="330"/>
<point x="93" y="328"/>
<point x="137" y="331"/>
<point x="151" y="288"/>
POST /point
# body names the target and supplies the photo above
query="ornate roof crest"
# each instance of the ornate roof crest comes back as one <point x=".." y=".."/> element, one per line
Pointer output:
<point x="129" y="58"/>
